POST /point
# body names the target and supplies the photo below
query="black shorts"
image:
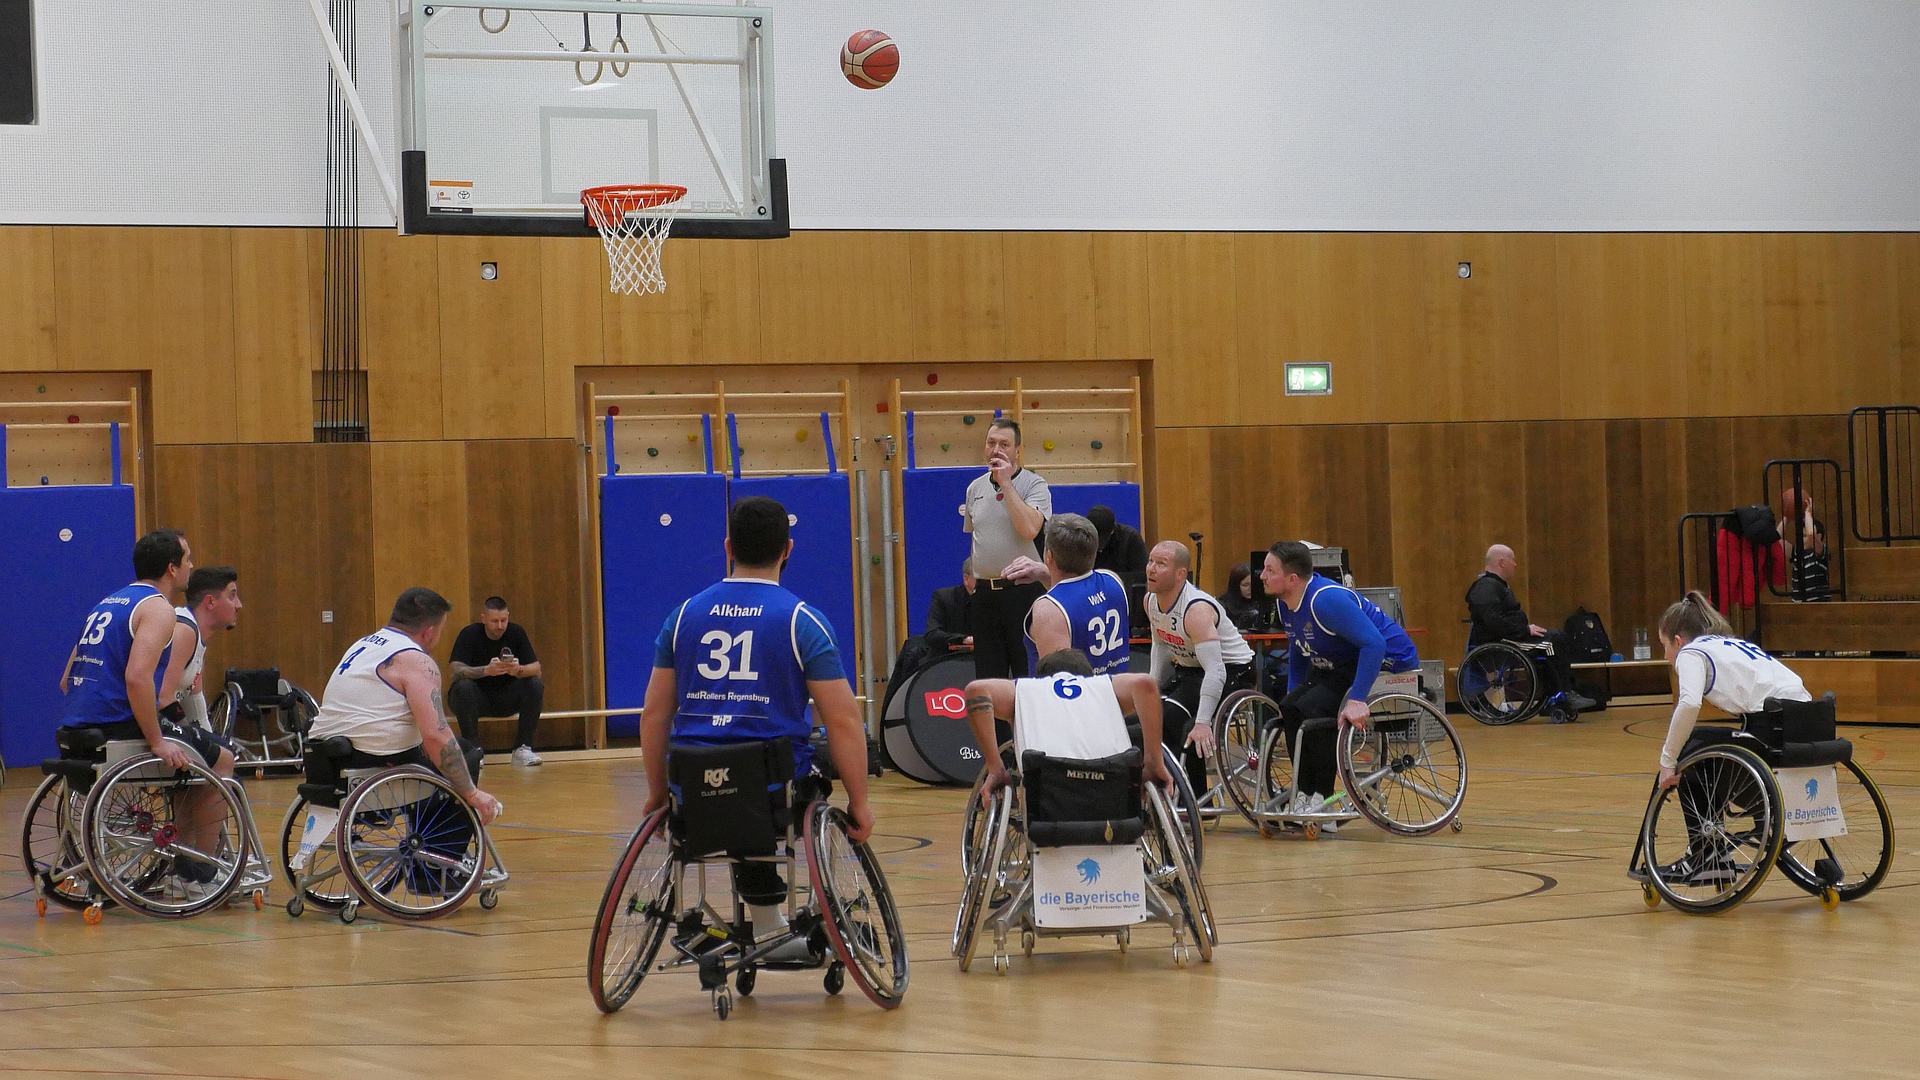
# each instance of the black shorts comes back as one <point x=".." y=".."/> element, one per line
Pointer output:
<point x="196" y="738"/>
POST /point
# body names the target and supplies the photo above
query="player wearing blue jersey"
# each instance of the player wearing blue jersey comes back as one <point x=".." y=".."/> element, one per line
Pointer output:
<point x="1338" y="643"/>
<point x="112" y="682"/>
<point x="738" y="663"/>
<point x="1084" y="608"/>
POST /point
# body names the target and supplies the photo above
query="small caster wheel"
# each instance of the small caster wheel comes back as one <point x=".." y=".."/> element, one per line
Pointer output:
<point x="259" y="899"/>
<point x="1651" y="895"/>
<point x="744" y="981"/>
<point x="1124" y="938"/>
<point x="94" y="914"/>
<point x="1001" y="964"/>
<point x="1311" y="830"/>
<point x="722" y="1004"/>
<point x="1266" y="833"/>
<point x="1458" y="824"/>
<point x="1179" y="954"/>
<point x="349" y="913"/>
<point x="489" y="899"/>
<point x="1026" y="942"/>
<point x="40" y="906"/>
<point x="296" y="907"/>
<point x="836" y="979"/>
<point x="1829" y="898"/>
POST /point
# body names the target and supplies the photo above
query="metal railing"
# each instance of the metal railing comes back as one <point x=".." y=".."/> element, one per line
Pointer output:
<point x="1816" y="564"/>
<point x="1883" y="467"/>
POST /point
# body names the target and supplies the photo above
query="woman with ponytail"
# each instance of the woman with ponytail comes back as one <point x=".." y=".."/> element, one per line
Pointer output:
<point x="1713" y="665"/>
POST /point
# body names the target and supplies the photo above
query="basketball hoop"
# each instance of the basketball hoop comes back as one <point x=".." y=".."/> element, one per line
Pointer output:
<point x="634" y="220"/>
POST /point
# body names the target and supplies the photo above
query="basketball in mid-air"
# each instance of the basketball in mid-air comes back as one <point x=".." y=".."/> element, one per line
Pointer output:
<point x="869" y="59"/>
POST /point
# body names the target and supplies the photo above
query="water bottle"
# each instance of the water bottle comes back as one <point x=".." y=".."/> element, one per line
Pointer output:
<point x="1641" y="650"/>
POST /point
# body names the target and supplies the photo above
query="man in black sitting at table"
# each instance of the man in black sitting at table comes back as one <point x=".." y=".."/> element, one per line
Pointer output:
<point x="495" y="673"/>
<point x="1497" y="616"/>
<point x="947" y="624"/>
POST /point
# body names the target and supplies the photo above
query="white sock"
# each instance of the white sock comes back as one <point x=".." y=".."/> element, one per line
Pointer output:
<point x="768" y="919"/>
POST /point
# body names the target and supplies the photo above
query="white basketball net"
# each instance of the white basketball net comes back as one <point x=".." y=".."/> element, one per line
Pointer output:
<point x="634" y="223"/>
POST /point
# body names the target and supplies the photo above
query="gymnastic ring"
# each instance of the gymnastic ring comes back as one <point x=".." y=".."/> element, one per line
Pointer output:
<point x="599" y="68"/>
<point x="619" y="70"/>
<point x="502" y="28"/>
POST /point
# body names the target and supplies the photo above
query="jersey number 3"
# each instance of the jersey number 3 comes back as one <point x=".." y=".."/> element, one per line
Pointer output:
<point x="1106" y="634"/>
<point x="719" y="663"/>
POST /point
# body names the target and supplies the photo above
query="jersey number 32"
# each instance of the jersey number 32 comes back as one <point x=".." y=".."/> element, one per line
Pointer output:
<point x="1106" y="634"/>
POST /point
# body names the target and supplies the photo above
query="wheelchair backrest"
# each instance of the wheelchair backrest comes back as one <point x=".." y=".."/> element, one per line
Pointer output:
<point x="259" y="687"/>
<point x="730" y="799"/>
<point x="1077" y="801"/>
<point x="1783" y="722"/>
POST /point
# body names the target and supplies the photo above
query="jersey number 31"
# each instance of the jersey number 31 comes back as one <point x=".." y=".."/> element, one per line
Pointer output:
<point x="719" y="663"/>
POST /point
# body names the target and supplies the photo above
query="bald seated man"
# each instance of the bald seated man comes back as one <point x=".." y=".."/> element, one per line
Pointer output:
<point x="1497" y="616"/>
<point x="1198" y="655"/>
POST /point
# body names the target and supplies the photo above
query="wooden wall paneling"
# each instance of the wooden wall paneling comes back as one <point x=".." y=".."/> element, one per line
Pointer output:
<point x="959" y="296"/>
<point x="274" y="345"/>
<point x="419" y="510"/>
<point x="1269" y="272"/>
<point x="159" y="299"/>
<point x="573" y="292"/>
<point x="27" y="290"/>
<point x="1409" y="310"/>
<point x="1456" y="488"/>
<point x="1122" y="313"/>
<point x="1563" y="552"/>
<point x="729" y="316"/>
<point x="524" y="544"/>
<point x="1359" y="495"/>
<point x="662" y="327"/>
<point x="1646" y="494"/>
<point x="1622" y="318"/>
<point x="492" y="377"/>
<point x="836" y="297"/>
<point x="1051" y="295"/>
<point x="1905" y="385"/>
<point x="1833" y="314"/>
<point x="294" y="520"/>
<point x="1190" y="279"/>
<point x="1506" y="318"/>
<point x="1714" y="478"/>
<point x="401" y="291"/>
<point x="1183" y="483"/>
<point x="1729" y="367"/>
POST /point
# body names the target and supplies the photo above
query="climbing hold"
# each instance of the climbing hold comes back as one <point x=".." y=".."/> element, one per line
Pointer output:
<point x="43" y="388"/>
<point x="73" y="418"/>
<point x="1047" y="445"/>
<point x="944" y="447"/>
<point x="613" y="410"/>
<point x="1098" y="445"/>
<point x="967" y="419"/>
<point x="43" y="481"/>
<point x="932" y="378"/>
<point x="1033" y="405"/>
<point x="653" y="451"/>
<point x="691" y="437"/>
<point x="876" y="560"/>
<point x="800" y="435"/>
<point x="616" y="467"/>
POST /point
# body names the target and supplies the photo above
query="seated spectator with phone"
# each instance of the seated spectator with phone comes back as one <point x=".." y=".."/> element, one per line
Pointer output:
<point x="496" y="673"/>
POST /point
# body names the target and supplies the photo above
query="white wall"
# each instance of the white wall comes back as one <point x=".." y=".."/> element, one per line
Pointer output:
<point x="1265" y="114"/>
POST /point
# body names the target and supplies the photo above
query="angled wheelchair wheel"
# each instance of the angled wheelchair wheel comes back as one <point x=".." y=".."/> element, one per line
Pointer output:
<point x="410" y="846"/>
<point x="1407" y="772"/>
<point x="635" y="915"/>
<point x="857" y="907"/>
<point x="165" y="843"/>
<point x="1499" y="684"/>
<point x="1274" y="774"/>
<point x="328" y="888"/>
<point x="974" y="830"/>
<point x="1171" y="869"/>
<point x="1709" y="841"/>
<point x="1186" y="805"/>
<point x="1239" y="726"/>
<point x="1854" y="863"/>
<point x="50" y="845"/>
<point x="977" y="895"/>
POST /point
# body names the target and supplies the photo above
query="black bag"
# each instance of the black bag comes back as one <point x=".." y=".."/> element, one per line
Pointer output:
<point x="1754" y="524"/>
<point x="1588" y="637"/>
<point x="1070" y="801"/>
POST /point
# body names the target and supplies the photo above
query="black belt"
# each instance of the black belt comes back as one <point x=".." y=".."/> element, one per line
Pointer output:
<point x="1000" y="584"/>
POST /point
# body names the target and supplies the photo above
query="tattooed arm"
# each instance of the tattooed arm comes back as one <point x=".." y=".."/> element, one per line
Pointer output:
<point x="987" y="699"/>
<point x="418" y="677"/>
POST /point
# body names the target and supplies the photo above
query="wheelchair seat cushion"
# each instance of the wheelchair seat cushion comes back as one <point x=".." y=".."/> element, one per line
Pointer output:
<point x="1098" y="798"/>
<point x="730" y="799"/>
<point x="81" y="741"/>
<point x="1799" y="755"/>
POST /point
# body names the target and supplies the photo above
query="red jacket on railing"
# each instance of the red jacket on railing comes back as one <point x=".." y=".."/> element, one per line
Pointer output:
<point x="1742" y="565"/>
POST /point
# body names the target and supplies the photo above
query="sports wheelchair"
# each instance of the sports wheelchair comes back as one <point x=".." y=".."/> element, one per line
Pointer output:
<point x="276" y="712"/>
<point x="113" y="824"/>
<point x="403" y="841"/>
<point x="1060" y="809"/>
<point x="735" y="805"/>
<point x="1707" y="843"/>
<point x="1406" y="772"/>
<point x="1500" y="681"/>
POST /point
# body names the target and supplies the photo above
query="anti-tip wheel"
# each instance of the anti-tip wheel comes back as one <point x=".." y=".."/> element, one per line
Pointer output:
<point x="349" y="913"/>
<point x="1180" y="954"/>
<point x="1651" y="895"/>
<point x="1001" y="963"/>
<point x="722" y="1004"/>
<point x="94" y="914"/>
<point x="40" y="906"/>
<point x="259" y="899"/>
<point x="1026" y="942"/>
<point x="1311" y="830"/>
<point x="489" y="899"/>
<point x="296" y="907"/>
<point x="836" y="979"/>
<point x="1830" y="898"/>
<point x="1458" y="824"/>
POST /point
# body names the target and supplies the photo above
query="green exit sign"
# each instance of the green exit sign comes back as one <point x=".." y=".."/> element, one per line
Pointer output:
<point x="1316" y="378"/>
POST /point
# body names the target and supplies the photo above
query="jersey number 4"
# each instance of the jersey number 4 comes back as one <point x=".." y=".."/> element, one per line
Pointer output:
<point x="1106" y="634"/>
<point x="719" y="663"/>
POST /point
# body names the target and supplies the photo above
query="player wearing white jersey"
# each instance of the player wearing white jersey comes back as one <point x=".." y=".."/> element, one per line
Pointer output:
<point x="1711" y="664"/>
<point x="213" y="602"/>
<point x="1066" y="694"/>
<point x="1198" y="655"/>
<point x="384" y="697"/>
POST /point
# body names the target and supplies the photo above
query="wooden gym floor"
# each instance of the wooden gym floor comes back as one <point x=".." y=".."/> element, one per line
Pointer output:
<point x="1515" y="948"/>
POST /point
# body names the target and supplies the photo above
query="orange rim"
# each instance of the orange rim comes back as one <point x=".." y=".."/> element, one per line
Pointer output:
<point x="618" y="200"/>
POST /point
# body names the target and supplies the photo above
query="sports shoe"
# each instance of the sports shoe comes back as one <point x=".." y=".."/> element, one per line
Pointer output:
<point x="1580" y="703"/>
<point x="1690" y="869"/>
<point x="524" y="755"/>
<point x="1305" y="802"/>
